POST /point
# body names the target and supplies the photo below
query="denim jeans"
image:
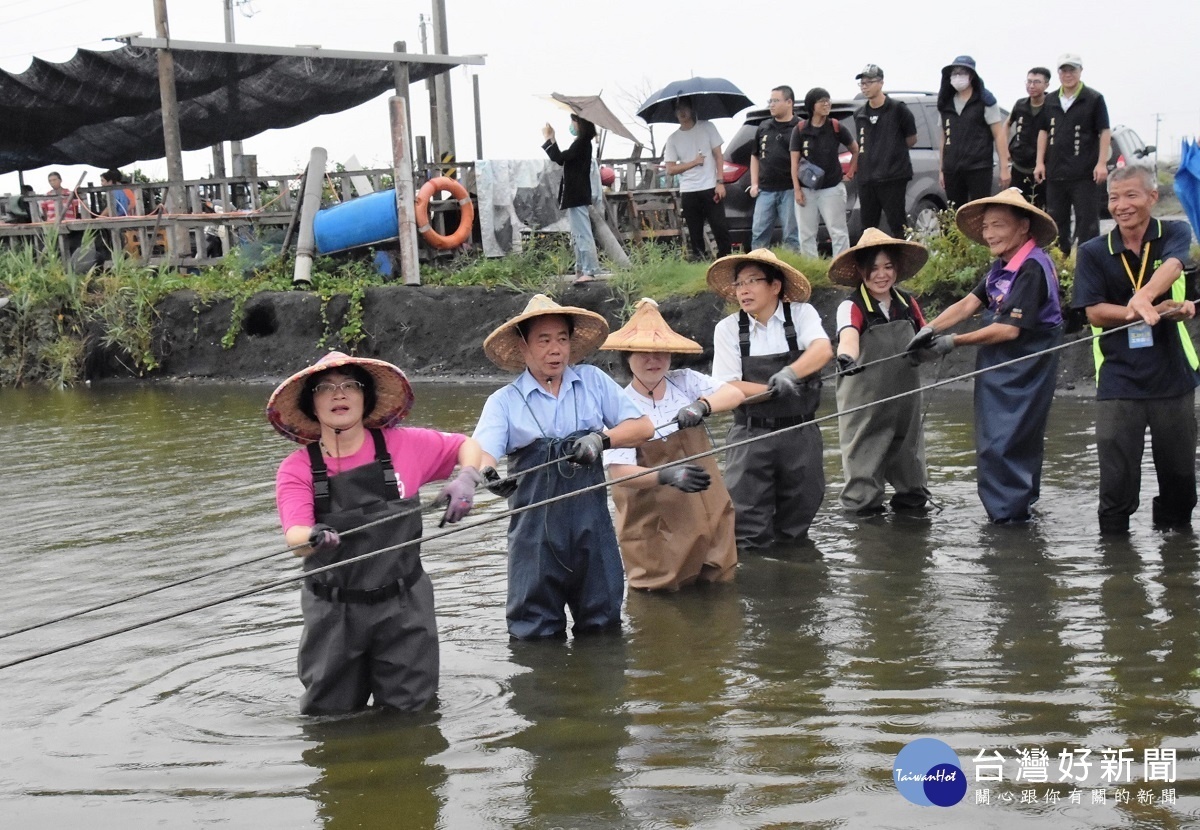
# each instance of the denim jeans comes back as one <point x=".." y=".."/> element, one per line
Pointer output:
<point x="586" y="261"/>
<point x="829" y="204"/>
<point x="769" y="206"/>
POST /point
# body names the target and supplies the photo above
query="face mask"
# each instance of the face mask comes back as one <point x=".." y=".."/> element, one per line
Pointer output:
<point x="573" y="130"/>
<point x="960" y="82"/>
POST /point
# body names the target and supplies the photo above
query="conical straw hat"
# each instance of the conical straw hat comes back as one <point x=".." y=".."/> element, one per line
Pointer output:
<point x="970" y="217"/>
<point x="503" y="346"/>
<point x="796" y="288"/>
<point x="393" y="397"/>
<point x="909" y="257"/>
<point x="647" y="331"/>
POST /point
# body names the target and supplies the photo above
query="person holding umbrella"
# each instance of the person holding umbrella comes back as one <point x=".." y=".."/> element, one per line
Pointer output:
<point x="683" y="533"/>
<point x="575" y="192"/>
<point x="693" y="152"/>
<point x="1019" y="300"/>
<point x="881" y="443"/>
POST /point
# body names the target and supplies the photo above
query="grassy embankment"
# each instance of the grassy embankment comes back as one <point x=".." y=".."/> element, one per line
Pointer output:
<point x="55" y="317"/>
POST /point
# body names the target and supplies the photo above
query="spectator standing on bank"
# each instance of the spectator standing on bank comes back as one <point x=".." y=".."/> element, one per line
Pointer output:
<point x="770" y="172"/>
<point x="818" y="140"/>
<point x="575" y="192"/>
<point x="886" y="131"/>
<point x="60" y="200"/>
<point x="1024" y="123"/>
<point x="1073" y="147"/>
<point x="1145" y="376"/>
<point x="693" y="152"/>
<point x="971" y="126"/>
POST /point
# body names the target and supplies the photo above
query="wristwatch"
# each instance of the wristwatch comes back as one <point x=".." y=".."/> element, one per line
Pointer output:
<point x="605" y="441"/>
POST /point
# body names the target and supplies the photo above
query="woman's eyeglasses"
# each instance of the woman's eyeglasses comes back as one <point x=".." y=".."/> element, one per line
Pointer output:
<point x="344" y="386"/>
<point x="746" y="283"/>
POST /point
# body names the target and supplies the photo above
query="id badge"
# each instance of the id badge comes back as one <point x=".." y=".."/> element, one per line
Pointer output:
<point x="1141" y="336"/>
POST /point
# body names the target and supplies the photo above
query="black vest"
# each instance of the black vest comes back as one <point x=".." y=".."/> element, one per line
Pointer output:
<point x="967" y="137"/>
<point x="1023" y="127"/>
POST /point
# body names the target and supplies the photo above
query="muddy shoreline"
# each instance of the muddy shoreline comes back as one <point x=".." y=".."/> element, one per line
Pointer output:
<point x="434" y="333"/>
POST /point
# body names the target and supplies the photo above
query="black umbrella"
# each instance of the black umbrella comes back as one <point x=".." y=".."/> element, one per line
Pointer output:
<point x="711" y="98"/>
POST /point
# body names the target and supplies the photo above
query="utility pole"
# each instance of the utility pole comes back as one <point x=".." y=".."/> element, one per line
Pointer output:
<point x="170" y="116"/>
<point x="441" y="46"/>
<point x="235" y="147"/>
<point x="1157" y="121"/>
<point x="431" y="90"/>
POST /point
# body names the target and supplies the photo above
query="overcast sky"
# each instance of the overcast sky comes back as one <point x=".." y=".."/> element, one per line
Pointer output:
<point x="626" y="49"/>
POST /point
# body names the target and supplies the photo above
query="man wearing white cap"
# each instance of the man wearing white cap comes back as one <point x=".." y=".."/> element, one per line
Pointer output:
<point x="563" y="555"/>
<point x="1073" y="147"/>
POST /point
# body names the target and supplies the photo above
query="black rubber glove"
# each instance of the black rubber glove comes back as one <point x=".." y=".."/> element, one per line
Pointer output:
<point x="586" y="449"/>
<point x="693" y="414"/>
<point x="323" y="538"/>
<point x="690" y="478"/>
<point x="848" y="365"/>
<point x="501" y="487"/>
<point x="921" y="339"/>
<point x="943" y="344"/>
<point x="783" y="383"/>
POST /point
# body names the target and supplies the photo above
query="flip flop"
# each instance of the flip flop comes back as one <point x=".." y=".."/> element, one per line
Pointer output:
<point x="585" y="279"/>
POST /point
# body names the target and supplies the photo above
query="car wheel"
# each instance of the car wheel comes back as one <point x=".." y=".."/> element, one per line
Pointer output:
<point x="925" y="220"/>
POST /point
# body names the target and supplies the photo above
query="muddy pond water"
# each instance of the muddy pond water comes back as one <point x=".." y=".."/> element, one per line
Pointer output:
<point x="780" y="700"/>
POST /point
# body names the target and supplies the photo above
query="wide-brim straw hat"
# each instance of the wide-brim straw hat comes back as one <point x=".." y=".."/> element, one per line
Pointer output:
<point x="393" y="397"/>
<point x="909" y="257"/>
<point x="796" y="288"/>
<point x="503" y="346"/>
<point x="647" y="331"/>
<point x="970" y="217"/>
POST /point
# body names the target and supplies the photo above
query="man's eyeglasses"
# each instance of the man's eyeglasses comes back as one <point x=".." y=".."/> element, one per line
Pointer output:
<point x="773" y="101"/>
<point x="746" y="283"/>
<point x="869" y="81"/>
<point x="344" y="386"/>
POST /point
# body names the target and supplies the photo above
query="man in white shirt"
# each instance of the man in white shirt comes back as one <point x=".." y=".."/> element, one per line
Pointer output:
<point x="775" y="343"/>
<point x="693" y="153"/>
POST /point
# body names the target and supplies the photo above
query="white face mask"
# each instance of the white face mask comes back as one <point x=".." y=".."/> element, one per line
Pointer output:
<point x="960" y="82"/>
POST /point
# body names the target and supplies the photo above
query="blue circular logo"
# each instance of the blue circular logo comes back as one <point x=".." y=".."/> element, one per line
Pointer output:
<point x="927" y="772"/>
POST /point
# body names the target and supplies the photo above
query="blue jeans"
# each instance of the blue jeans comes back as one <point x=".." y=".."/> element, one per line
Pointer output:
<point x="769" y="207"/>
<point x="586" y="261"/>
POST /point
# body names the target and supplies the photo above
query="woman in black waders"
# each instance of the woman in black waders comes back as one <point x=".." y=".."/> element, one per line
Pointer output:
<point x="369" y="628"/>
<point x="883" y="443"/>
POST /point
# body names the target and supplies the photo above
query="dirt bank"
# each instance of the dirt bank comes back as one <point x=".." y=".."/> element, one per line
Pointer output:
<point x="431" y="332"/>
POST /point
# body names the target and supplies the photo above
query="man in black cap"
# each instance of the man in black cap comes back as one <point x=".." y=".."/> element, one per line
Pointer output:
<point x="886" y="129"/>
<point x="1073" y="148"/>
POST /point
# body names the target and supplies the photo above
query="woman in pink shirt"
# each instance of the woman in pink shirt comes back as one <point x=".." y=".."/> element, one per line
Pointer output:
<point x="369" y="628"/>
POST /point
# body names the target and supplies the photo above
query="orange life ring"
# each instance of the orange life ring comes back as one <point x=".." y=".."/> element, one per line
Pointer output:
<point x="466" y="216"/>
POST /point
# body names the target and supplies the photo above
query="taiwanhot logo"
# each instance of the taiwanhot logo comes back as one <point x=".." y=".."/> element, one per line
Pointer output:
<point x="927" y="772"/>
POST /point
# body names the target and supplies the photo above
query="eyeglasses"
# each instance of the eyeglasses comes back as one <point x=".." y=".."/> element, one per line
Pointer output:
<point x="747" y="282"/>
<point x="773" y="101"/>
<point x="869" y="81"/>
<point x="344" y="386"/>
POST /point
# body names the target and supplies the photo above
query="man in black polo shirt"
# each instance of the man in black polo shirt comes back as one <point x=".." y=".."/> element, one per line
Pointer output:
<point x="771" y="172"/>
<point x="1146" y="375"/>
<point x="1024" y="123"/>
<point x="886" y="129"/>
<point x="820" y="139"/>
<point x="1072" y="155"/>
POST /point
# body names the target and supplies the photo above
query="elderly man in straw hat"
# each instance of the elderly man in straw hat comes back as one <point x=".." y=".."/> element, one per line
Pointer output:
<point x="369" y="627"/>
<point x="884" y="442"/>
<point x="773" y="343"/>
<point x="1021" y="309"/>
<point x="564" y="554"/>
<point x="671" y="537"/>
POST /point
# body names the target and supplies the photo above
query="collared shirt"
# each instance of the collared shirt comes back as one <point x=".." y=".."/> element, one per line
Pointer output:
<point x="520" y="413"/>
<point x="1162" y="370"/>
<point x="682" y="386"/>
<point x="1022" y="292"/>
<point x="764" y="339"/>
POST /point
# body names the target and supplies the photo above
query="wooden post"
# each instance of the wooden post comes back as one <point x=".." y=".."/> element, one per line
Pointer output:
<point x="171" y="141"/>
<point x="441" y="83"/>
<point x="402" y="176"/>
<point x="432" y="91"/>
<point x="403" y="81"/>
<point x="478" y="120"/>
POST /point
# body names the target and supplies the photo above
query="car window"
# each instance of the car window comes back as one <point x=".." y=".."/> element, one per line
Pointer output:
<point x="925" y="125"/>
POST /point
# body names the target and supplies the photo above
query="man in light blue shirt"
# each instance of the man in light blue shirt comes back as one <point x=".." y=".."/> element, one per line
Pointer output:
<point x="563" y="555"/>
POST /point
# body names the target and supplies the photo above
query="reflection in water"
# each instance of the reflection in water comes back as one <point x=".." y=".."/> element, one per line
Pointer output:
<point x="780" y="699"/>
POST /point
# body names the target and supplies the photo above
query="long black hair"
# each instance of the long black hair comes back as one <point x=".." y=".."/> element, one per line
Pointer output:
<point x="358" y="373"/>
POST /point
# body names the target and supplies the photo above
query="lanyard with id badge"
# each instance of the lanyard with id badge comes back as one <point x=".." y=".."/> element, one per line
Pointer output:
<point x="1141" y="336"/>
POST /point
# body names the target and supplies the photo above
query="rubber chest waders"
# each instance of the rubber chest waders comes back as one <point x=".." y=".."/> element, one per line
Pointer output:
<point x="369" y="628"/>
<point x="777" y="484"/>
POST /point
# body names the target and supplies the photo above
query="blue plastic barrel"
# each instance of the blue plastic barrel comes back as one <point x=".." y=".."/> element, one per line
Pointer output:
<point x="362" y="221"/>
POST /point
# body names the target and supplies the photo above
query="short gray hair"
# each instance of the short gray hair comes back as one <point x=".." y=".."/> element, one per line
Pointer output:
<point x="1134" y="171"/>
